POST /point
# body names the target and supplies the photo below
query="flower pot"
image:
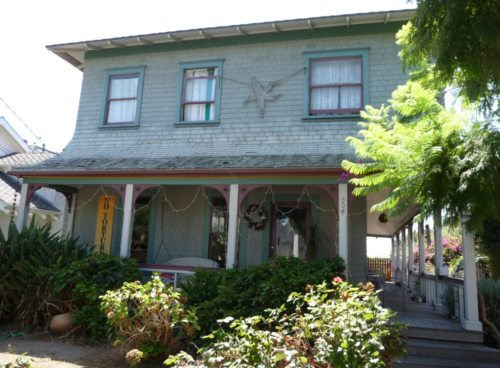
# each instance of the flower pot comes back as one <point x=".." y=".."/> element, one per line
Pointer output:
<point x="61" y="322"/>
<point x="424" y="300"/>
<point x="419" y="299"/>
<point x="413" y="298"/>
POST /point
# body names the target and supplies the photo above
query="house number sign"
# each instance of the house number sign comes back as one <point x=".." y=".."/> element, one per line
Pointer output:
<point x="104" y="226"/>
<point x="342" y="206"/>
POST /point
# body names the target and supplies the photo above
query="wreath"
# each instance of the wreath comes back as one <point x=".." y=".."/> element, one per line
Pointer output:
<point x="254" y="208"/>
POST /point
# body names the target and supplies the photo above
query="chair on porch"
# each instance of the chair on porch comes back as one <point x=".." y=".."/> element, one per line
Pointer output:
<point x="376" y="276"/>
<point x="193" y="262"/>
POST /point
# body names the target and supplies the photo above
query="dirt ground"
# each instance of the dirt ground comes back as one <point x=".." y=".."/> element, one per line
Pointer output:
<point x="49" y="352"/>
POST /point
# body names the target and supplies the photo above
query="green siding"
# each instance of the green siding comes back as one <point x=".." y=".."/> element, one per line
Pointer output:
<point x="328" y="32"/>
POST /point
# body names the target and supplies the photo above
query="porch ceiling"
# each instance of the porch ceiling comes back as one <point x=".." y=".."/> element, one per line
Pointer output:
<point x="377" y="228"/>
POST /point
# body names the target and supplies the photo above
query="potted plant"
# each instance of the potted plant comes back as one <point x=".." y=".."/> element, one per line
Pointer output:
<point x="424" y="300"/>
<point x="419" y="299"/>
<point x="412" y="298"/>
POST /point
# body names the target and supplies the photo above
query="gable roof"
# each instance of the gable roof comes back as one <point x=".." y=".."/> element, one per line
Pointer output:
<point x="23" y="159"/>
<point x="7" y="191"/>
<point x="74" y="53"/>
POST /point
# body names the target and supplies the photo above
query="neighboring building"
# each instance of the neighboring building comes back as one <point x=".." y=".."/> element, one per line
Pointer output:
<point x="46" y="206"/>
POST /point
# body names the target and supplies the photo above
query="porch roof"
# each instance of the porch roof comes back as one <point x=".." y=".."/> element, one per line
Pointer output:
<point x="179" y="163"/>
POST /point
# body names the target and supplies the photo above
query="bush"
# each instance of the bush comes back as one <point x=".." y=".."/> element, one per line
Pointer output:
<point x="491" y="294"/>
<point x="250" y="291"/>
<point x="489" y="246"/>
<point x="340" y="327"/>
<point x="83" y="281"/>
<point x="151" y="318"/>
<point x="26" y="258"/>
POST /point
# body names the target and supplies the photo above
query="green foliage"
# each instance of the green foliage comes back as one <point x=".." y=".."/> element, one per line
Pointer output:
<point x="463" y="39"/>
<point x="83" y="281"/>
<point x="449" y="298"/>
<point x="25" y="261"/>
<point x="428" y="157"/>
<point x="253" y="289"/>
<point x="489" y="246"/>
<point x="491" y="293"/>
<point x="151" y="318"/>
<point x="340" y="327"/>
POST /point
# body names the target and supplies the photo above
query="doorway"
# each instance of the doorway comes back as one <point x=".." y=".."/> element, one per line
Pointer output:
<point x="140" y="230"/>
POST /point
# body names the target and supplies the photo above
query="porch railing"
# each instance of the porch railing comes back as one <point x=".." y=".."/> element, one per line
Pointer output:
<point x="174" y="270"/>
<point x="381" y="263"/>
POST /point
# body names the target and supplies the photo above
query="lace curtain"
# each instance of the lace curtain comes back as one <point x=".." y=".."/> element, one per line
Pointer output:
<point x="336" y="72"/>
<point x="123" y="111"/>
<point x="199" y="90"/>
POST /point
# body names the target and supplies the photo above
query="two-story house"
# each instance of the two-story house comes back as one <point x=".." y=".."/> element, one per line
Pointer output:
<point x="217" y="143"/>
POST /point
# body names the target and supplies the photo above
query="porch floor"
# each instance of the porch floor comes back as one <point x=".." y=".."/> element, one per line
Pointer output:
<point x="422" y="320"/>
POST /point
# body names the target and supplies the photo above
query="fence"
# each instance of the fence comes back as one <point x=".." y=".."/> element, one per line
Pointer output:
<point x="381" y="263"/>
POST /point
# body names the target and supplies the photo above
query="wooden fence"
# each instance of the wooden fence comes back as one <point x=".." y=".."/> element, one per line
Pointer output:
<point x="381" y="263"/>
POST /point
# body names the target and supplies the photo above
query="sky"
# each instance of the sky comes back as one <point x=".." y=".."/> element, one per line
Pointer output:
<point x="44" y="90"/>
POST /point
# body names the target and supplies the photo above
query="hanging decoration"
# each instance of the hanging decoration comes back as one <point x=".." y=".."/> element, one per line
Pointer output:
<point x="261" y="94"/>
<point x="255" y="208"/>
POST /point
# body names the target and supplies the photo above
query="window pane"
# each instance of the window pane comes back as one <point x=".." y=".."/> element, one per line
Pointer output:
<point x="122" y="111"/>
<point x="201" y="72"/>
<point x="325" y="98"/>
<point x="350" y="97"/>
<point x="199" y="112"/>
<point x="124" y="87"/>
<point x="199" y="90"/>
<point x="336" y="71"/>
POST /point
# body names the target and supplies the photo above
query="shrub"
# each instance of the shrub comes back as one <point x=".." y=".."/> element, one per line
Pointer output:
<point x="340" y="327"/>
<point x="83" y="281"/>
<point x="151" y="318"/>
<point x="253" y="289"/>
<point x="25" y="261"/>
<point x="489" y="246"/>
<point x="491" y="294"/>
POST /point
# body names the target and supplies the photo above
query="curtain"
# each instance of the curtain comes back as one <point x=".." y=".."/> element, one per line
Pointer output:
<point x="123" y="111"/>
<point x="335" y="72"/>
<point x="199" y="90"/>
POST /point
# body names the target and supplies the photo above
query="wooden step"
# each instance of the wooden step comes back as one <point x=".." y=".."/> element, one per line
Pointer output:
<point x="449" y="350"/>
<point x="419" y="362"/>
<point x="444" y="335"/>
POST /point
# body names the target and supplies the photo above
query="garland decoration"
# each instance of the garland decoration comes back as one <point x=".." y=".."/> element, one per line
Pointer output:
<point x="255" y="208"/>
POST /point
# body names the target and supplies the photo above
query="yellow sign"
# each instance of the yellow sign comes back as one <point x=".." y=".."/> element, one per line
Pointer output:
<point x="104" y="227"/>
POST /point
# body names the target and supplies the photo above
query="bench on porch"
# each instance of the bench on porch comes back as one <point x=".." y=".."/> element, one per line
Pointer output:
<point x="184" y="266"/>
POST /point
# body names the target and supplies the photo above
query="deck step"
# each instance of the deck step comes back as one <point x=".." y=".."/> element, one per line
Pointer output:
<point x="419" y="362"/>
<point x="444" y="335"/>
<point x="449" y="350"/>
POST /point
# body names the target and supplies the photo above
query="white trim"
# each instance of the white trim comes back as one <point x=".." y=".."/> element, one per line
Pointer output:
<point x="23" y="210"/>
<point x="128" y="218"/>
<point x="344" y="226"/>
<point x="232" y="231"/>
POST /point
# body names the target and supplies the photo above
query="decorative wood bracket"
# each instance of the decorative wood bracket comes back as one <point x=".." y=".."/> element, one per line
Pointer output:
<point x="138" y="189"/>
<point x="245" y="190"/>
<point x="32" y="188"/>
<point x="120" y="188"/>
<point x="225" y="190"/>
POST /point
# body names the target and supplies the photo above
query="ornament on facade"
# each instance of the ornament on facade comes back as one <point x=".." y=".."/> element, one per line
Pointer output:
<point x="261" y="94"/>
<point x="258" y="225"/>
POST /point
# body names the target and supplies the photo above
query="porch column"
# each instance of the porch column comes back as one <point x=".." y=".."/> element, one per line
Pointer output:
<point x="23" y="208"/>
<point x="421" y="253"/>
<point x="404" y="268"/>
<point x="344" y="227"/>
<point x="438" y="244"/>
<point x="71" y="214"/>
<point x="471" y="320"/>
<point x="394" y="259"/>
<point x="398" y="253"/>
<point x="127" y="221"/>
<point x="232" y="231"/>
<point x="410" y="247"/>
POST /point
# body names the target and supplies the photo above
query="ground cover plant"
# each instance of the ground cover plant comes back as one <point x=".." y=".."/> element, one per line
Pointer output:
<point x="148" y="319"/>
<point x="251" y="290"/>
<point x="26" y="257"/>
<point x="335" y="325"/>
<point x="82" y="282"/>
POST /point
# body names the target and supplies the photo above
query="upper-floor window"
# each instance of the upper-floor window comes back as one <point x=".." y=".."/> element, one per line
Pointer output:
<point x="198" y="100"/>
<point x="199" y="93"/>
<point x="122" y="98"/>
<point x="336" y="84"/>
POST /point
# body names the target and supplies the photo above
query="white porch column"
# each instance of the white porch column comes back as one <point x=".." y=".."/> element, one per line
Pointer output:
<point x="421" y="249"/>
<point x="71" y="215"/>
<point x="398" y="251"/>
<point x="471" y="320"/>
<point x="23" y="208"/>
<point x="344" y="226"/>
<point x="232" y="231"/>
<point x="438" y="244"/>
<point x="410" y="247"/>
<point x="404" y="267"/>
<point x="394" y="259"/>
<point x="128" y="218"/>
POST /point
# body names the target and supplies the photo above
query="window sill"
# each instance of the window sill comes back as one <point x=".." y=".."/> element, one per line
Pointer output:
<point x="332" y="117"/>
<point x="119" y="127"/>
<point x="187" y="124"/>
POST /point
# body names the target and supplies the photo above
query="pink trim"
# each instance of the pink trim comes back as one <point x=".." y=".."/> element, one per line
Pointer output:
<point x="138" y="189"/>
<point x="245" y="190"/>
<point x="224" y="189"/>
<point x="32" y="188"/>
<point x="120" y="188"/>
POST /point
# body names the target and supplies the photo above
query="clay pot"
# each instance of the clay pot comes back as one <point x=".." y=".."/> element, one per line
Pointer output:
<point x="61" y="322"/>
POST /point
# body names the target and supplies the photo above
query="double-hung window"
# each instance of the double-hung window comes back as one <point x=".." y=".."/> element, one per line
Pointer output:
<point x="336" y="83"/>
<point x="199" y="93"/>
<point x="122" y="98"/>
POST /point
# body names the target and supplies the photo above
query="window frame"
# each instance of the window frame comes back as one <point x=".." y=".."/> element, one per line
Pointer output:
<point x="116" y="74"/>
<point x="211" y="232"/>
<point x="187" y="65"/>
<point x="345" y="114"/>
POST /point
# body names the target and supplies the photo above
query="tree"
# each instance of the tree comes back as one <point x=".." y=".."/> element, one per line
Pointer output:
<point x="430" y="156"/>
<point x="462" y="37"/>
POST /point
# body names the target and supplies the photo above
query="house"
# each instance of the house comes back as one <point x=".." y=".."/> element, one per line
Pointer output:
<point x="46" y="205"/>
<point x="205" y="143"/>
